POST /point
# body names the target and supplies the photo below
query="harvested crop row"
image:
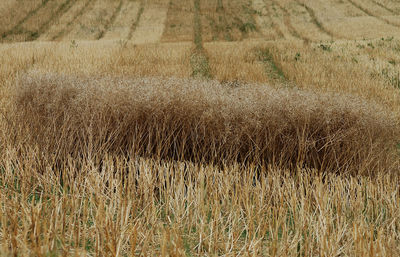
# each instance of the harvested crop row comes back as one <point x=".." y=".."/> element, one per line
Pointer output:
<point x="374" y="10"/>
<point x="203" y="121"/>
<point x="38" y="23"/>
<point x="150" y="27"/>
<point x="95" y="58"/>
<point x="94" y="22"/>
<point x="64" y="22"/>
<point x="13" y="26"/>
<point x="389" y="5"/>
<point x="354" y="65"/>
<point x="315" y="19"/>
<point x="303" y="21"/>
<point x="283" y="18"/>
<point x="127" y="16"/>
<point x="12" y="13"/>
<point x="112" y="19"/>
<point x="345" y="20"/>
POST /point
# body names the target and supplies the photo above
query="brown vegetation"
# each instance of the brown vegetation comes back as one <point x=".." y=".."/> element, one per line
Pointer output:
<point x="156" y="140"/>
<point x="203" y="122"/>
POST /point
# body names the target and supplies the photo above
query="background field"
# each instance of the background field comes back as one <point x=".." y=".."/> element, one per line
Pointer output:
<point x="199" y="127"/>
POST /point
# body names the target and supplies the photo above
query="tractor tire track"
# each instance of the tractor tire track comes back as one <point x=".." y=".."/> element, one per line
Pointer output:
<point x="21" y="22"/>
<point x="288" y="23"/>
<point x="135" y="24"/>
<point x="151" y="25"/>
<point x="68" y="27"/>
<point x="315" y="20"/>
<point x="199" y="60"/>
<point x="111" y="21"/>
<point x="272" y="68"/>
<point x="62" y="9"/>
<point x="371" y="14"/>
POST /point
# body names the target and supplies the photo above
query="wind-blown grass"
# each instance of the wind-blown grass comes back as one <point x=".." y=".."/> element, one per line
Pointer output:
<point x="203" y="121"/>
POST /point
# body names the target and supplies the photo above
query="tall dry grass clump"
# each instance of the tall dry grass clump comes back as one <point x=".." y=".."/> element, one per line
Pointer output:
<point x="202" y="121"/>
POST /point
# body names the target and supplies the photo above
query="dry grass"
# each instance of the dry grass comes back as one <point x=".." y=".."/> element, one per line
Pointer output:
<point x="94" y="22"/>
<point x="203" y="122"/>
<point x="104" y="57"/>
<point x="341" y="67"/>
<point x="124" y="20"/>
<point x="179" y="24"/>
<point x="302" y="21"/>
<point x="37" y="21"/>
<point x="12" y="14"/>
<point x="65" y="22"/>
<point x="227" y="20"/>
<point x="109" y="148"/>
<point x="246" y="61"/>
<point x="99" y="201"/>
<point x="180" y="209"/>
<point x="267" y="22"/>
<point x="151" y="25"/>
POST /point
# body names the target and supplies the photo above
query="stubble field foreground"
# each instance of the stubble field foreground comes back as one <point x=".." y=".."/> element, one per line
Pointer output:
<point x="199" y="128"/>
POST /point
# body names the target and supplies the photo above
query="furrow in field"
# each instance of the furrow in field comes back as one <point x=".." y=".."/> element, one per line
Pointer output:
<point x="378" y="13"/>
<point x="114" y="16"/>
<point x="17" y="28"/>
<point x="93" y="21"/>
<point x="66" y="21"/>
<point x="151" y="24"/>
<point x="179" y="23"/>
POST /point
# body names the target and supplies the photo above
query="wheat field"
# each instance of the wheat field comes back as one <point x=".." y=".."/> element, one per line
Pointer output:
<point x="200" y="128"/>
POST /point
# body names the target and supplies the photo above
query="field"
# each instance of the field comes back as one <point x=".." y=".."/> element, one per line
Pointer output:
<point x="199" y="128"/>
